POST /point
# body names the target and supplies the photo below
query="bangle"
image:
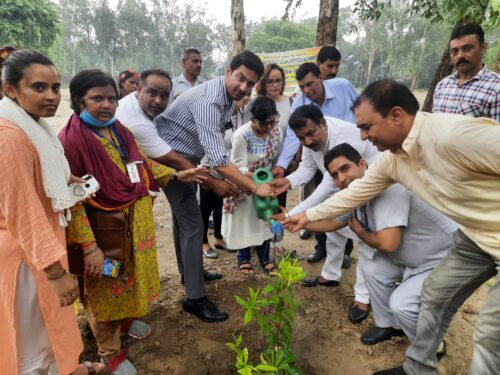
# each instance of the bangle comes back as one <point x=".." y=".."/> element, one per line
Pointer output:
<point x="56" y="277"/>
<point x="90" y="252"/>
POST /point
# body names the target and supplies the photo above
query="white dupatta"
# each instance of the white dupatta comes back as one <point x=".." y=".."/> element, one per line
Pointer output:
<point x="55" y="167"/>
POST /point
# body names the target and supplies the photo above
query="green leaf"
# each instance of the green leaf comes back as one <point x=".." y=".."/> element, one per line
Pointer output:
<point x="248" y="316"/>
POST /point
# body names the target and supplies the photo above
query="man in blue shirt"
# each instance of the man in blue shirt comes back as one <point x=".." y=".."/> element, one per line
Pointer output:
<point x="193" y="126"/>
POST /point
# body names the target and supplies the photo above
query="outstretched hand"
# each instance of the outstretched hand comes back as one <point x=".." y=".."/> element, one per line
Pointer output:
<point x="193" y="175"/>
<point x="280" y="185"/>
<point x="265" y="190"/>
<point x="281" y="215"/>
<point x="296" y="222"/>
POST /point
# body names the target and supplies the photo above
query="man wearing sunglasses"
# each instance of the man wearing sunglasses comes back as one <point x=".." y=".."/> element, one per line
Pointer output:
<point x="403" y="238"/>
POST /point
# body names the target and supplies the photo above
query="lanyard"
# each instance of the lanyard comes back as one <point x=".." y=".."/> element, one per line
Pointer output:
<point x="362" y="210"/>
<point x="118" y="147"/>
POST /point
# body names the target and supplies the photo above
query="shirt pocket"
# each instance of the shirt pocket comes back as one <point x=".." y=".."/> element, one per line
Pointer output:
<point x="469" y="109"/>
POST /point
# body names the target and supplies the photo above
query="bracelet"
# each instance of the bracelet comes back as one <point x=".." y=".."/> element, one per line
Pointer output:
<point x="90" y="252"/>
<point x="57" y="277"/>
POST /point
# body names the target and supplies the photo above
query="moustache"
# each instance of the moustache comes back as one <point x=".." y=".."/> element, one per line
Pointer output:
<point x="462" y="61"/>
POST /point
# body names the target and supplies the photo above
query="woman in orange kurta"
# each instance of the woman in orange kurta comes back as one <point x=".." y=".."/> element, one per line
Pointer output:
<point x="39" y="333"/>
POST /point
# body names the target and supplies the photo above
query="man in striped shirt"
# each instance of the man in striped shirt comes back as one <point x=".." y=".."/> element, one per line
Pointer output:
<point x="194" y="127"/>
<point x="472" y="90"/>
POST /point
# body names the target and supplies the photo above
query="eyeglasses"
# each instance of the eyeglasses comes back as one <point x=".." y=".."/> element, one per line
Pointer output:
<point x="272" y="82"/>
<point x="265" y="124"/>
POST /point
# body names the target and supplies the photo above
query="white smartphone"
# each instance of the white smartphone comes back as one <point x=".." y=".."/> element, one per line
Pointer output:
<point x="83" y="190"/>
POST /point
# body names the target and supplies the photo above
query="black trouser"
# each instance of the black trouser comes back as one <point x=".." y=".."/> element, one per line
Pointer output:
<point x="211" y="202"/>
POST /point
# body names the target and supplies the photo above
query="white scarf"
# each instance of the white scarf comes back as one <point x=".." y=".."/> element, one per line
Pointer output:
<point x="55" y="167"/>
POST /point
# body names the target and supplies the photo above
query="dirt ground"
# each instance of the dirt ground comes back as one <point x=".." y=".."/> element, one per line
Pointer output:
<point x="326" y="343"/>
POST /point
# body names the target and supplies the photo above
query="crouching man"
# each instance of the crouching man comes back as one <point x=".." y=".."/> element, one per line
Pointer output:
<point x="406" y="239"/>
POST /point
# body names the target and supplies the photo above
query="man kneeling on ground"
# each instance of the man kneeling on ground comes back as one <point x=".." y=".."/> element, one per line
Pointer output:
<point x="406" y="239"/>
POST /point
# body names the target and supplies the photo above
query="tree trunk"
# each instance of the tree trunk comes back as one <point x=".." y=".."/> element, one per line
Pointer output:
<point x="497" y="67"/>
<point x="326" y="32"/>
<point x="238" y="26"/>
<point x="444" y="69"/>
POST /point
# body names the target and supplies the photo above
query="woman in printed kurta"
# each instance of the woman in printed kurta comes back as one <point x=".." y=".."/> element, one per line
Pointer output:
<point x="98" y="144"/>
<point x="255" y="145"/>
<point x="39" y="332"/>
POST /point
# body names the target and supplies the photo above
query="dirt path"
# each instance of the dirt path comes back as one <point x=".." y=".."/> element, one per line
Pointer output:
<point x="326" y="343"/>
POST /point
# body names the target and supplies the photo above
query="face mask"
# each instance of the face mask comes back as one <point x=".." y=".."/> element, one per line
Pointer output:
<point x="89" y="119"/>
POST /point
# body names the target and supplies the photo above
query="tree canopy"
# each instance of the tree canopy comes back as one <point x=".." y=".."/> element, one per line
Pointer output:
<point x="28" y="24"/>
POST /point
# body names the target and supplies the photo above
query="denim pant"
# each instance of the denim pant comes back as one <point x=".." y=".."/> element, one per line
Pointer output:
<point x="244" y="255"/>
<point x="460" y="273"/>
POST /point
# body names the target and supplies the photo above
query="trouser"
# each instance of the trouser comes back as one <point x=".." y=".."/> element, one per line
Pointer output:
<point x="107" y="334"/>
<point x="187" y="226"/>
<point x="36" y="356"/>
<point x="393" y="305"/>
<point x="332" y="268"/>
<point x="244" y="255"/>
<point x="461" y="272"/>
<point x="211" y="203"/>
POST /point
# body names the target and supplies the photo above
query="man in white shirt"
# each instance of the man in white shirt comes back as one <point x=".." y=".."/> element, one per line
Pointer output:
<point x="318" y="134"/>
<point x="137" y="112"/>
<point x="190" y="76"/>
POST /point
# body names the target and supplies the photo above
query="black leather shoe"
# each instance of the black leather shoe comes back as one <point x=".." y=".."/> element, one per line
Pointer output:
<point x="315" y="281"/>
<point x="304" y="234"/>
<point x="346" y="262"/>
<point x="377" y="334"/>
<point x="356" y="315"/>
<point x="318" y="254"/>
<point x="205" y="310"/>
<point x="392" y="371"/>
<point x="207" y="276"/>
<point x="441" y="352"/>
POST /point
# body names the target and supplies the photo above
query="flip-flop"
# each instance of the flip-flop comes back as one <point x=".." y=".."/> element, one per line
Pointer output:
<point x="246" y="268"/>
<point x="136" y="329"/>
<point x="210" y="253"/>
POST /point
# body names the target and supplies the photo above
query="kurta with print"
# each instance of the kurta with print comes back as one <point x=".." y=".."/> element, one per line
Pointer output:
<point x="128" y="295"/>
<point x="242" y="228"/>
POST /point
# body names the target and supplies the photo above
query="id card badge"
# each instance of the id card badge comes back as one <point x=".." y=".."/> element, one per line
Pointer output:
<point x="133" y="172"/>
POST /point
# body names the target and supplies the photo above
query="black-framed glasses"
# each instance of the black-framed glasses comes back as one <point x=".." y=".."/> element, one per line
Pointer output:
<point x="273" y="82"/>
<point x="265" y="124"/>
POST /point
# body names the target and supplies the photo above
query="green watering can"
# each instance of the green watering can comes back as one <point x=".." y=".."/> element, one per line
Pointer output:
<point x="264" y="206"/>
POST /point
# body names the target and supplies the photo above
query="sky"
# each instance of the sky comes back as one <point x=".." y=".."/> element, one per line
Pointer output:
<point x="256" y="10"/>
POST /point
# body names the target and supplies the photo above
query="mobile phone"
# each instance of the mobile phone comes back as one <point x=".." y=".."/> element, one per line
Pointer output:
<point x="112" y="267"/>
<point x="83" y="190"/>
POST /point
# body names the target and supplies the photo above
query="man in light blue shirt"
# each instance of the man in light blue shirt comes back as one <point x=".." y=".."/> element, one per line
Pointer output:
<point x="190" y="76"/>
<point x="334" y="97"/>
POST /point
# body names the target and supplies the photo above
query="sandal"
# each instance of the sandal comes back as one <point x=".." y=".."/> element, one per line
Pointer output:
<point x="136" y="329"/>
<point x="246" y="268"/>
<point x="269" y="268"/>
<point x="91" y="368"/>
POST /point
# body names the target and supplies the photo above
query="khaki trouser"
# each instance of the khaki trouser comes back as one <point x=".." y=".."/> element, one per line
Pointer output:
<point x="107" y="334"/>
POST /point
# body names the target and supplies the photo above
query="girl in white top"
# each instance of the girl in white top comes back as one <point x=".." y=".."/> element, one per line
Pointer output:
<point x="255" y="145"/>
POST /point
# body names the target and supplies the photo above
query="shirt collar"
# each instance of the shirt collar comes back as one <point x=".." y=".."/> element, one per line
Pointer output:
<point x="479" y="75"/>
<point x="182" y="78"/>
<point x="410" y="144"/>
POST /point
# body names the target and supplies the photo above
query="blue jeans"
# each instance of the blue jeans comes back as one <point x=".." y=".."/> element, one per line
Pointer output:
<point x="245" y="255"/>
